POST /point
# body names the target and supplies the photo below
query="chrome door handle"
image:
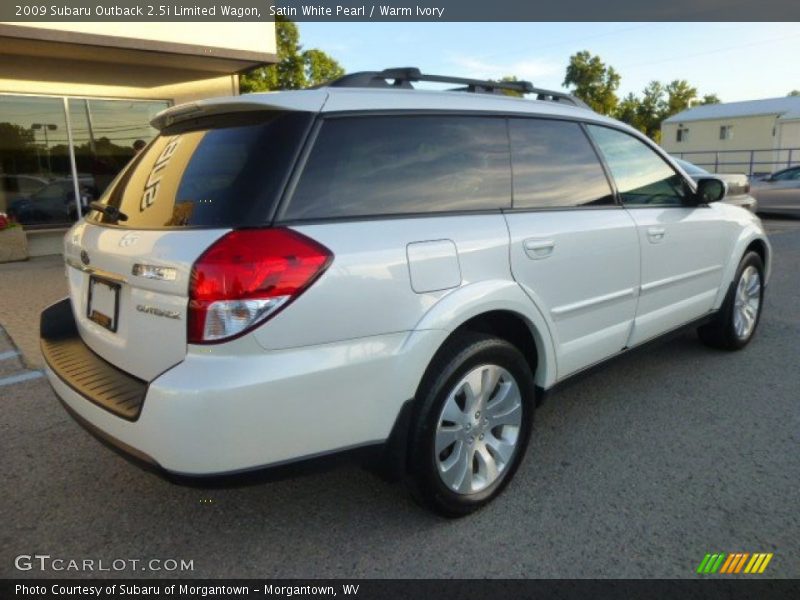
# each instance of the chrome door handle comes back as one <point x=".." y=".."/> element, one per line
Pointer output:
<point x="656" y="234"/>
<point x="537" y="249"/>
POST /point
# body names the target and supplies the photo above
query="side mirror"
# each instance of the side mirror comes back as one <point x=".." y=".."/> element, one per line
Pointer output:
<point x="710" y="189"/>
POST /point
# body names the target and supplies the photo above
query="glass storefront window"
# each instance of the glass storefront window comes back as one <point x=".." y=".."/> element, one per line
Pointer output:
<point x="34" y="159"/>
<point x="36" y="179"/>
<point x="106" y="134"/>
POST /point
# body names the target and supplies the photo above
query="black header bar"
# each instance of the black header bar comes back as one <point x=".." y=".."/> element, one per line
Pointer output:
<point x="399" y="10"/>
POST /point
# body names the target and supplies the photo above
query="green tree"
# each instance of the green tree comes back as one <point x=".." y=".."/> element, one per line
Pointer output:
<point x="14" y="137"/>
<point x="320" y="68"/>
<point x="650" y="110"/>
<point x="680" y="96"/>
<point x="593" y="82"/>
<point x="710" y="99"/>
<point x="794" y="93"/>
<point x="627" y="110"/>
<point x="295" y="69"/>
<point x="658" y="102"/>
<point x="511" y="79"/>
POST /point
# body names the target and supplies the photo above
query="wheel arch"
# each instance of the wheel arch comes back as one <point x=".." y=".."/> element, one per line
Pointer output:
<point x="751" y="239"/>
<point x="502" y="309"/>
<point x="497" y="307"/>
<point x="759" y="246"/>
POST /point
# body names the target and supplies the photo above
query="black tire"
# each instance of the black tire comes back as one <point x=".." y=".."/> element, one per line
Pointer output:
<point x="721" y="333"/>
<point x="458" y="358"/>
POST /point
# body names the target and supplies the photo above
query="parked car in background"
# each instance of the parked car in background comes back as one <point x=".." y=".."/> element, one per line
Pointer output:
<point x="779" y="193"/>
<point x="52" y="203"/>
<point x="18" y="186"/>
<point x="738" y="184"/>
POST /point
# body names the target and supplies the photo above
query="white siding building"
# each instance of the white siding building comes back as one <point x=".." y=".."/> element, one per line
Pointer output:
<point x="756" y="136"/>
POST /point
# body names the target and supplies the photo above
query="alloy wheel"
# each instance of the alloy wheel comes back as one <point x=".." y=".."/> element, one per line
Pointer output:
<point x="747" y="302"/>
<point x="478" y="429"/>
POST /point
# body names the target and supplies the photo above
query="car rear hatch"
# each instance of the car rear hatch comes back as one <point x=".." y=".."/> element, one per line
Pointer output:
<point x="129" y="264"/>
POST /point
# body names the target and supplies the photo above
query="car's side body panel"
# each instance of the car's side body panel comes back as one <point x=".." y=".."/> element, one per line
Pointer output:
<point x="586" y="283"/>
<point x="367" y="290"/>
<point x="683" y="253"/>
<point x="476" y="299"/>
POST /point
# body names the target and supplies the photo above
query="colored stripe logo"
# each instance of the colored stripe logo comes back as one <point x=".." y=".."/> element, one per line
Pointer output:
<point x="734" y="563"/>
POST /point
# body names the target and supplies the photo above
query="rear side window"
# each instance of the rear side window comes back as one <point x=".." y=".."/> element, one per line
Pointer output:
<point x="220" y="172"/>
<point x="369" y="166"/>
<point x="643" y="178"/>
<point x="554" y="166"/>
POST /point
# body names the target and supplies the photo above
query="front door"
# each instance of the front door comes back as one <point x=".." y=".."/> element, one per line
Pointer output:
<point x="684" y="247"/>
<point x="573" y="250"/>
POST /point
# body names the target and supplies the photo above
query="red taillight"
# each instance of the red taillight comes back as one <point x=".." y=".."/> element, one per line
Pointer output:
<point x="248" y="275"/>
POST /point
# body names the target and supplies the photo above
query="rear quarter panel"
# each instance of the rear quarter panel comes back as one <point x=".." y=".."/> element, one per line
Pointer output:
<point x="367" y="290"/>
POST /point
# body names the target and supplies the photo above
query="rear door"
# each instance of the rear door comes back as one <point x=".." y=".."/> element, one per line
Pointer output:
<point x="573" y="250"/>
<point x="684" y="247"/>
<point x="129" y="278"/>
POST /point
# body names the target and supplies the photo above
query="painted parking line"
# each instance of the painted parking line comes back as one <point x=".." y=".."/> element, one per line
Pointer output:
<point x="9" y="354"/>
<point x="26" y="376"/>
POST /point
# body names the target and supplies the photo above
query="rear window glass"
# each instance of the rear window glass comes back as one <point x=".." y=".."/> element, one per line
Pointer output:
<point x="219" y="172"/>
<point x="367" y="166"/>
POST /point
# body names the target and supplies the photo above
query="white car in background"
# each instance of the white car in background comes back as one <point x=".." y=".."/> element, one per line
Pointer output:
<point x="364" y="265"/>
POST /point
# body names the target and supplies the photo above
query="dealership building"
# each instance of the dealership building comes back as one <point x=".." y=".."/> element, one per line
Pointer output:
<point x="76" y="100"/>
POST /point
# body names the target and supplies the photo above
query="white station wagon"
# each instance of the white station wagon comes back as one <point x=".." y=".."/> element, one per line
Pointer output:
<point x="287" y="275"/>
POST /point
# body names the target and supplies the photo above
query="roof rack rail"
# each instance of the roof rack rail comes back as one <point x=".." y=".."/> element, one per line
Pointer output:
<point x="403" y="77"/>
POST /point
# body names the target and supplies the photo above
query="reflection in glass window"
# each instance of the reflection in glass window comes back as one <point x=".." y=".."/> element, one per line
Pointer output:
<point x="642" y="177"/>
<point x="35" y="173"/>
<point x="36" y="183"/>
<point x="225" y="171"/>
<point x="367" y="166"/>
<point x="106" y="134"/>
<point x="554" y="165"/>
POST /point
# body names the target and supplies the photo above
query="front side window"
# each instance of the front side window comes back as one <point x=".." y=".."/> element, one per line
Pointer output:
<point x="554" y="165"/>
<point x="643" y="178"/>
<point x="383" y="165"/>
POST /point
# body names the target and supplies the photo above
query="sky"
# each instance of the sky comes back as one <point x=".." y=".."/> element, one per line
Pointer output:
<point x="736" y="61"/>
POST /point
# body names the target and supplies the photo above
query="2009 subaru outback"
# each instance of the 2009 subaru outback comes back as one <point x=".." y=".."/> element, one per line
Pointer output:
<point x="280" y="276"/>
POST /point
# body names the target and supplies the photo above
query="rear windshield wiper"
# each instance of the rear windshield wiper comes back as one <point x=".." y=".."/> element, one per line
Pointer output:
<point x="112" y="212"/>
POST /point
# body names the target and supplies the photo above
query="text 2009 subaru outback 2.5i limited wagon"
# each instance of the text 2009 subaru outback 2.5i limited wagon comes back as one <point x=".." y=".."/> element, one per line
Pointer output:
<point x="287" y="275"/>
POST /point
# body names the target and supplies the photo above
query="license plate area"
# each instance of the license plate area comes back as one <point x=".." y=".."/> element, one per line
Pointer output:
<point x="102" y="306"/>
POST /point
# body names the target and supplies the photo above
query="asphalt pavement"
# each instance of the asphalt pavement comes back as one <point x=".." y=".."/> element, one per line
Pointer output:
<point x="637" y="470"/>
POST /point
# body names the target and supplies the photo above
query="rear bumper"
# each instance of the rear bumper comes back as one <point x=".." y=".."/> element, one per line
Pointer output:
<point x="216" y="414"/>
<point x="84" y="371"/>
